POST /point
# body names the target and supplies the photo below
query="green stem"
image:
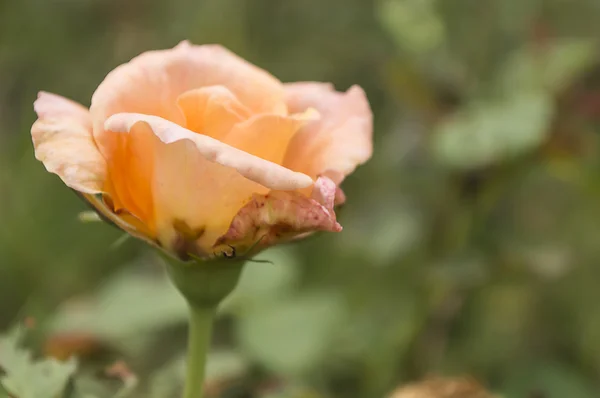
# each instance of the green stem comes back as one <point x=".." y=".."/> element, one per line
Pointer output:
<point x="200" y="331"/>
<point x="204" y="285"/>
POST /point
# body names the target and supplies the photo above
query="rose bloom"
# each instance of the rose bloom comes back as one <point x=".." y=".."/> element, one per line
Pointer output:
<point x="203" y="154"/>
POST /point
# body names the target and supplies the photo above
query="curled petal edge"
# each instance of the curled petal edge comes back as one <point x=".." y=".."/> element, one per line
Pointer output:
<point x="268" y="174"/>
<point x="62" y="140"/>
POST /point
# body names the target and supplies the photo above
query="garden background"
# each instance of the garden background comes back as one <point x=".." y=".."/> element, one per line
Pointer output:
<point x="471" y="242"/>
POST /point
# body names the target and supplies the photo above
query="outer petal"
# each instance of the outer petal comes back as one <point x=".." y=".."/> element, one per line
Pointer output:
<point x="212" y="111"/>
<point x="198" y="184"/>
<point x="193" y="199"/>
<point x="281" y="216"/>
<point x="131" y="166"/>
<point x="54" y="106"/>
<point x="253" y="168"/>
<point x="62" y="137"/>
<point x="340" y="140"/>
<point x="125" y="221"/>
<point x="63" y="142"/>
<point x="152" y="82"/>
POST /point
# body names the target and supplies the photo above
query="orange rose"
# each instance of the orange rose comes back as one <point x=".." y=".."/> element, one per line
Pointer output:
<point x="201" y="153"/>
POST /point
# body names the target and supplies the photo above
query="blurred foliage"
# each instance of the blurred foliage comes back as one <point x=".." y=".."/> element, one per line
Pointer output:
<point x="470" y="240"/>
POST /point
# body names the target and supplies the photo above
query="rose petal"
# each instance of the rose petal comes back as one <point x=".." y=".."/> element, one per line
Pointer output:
<point x="125" y="221"/>
<point x="340" y="140"/>
<point x="324" y="192"/>
<point x="54" y="106"/>
<point x="212" y="111"/>
<point x="253" y="168"/>
<point x="63" y="142"/>
<point x="340" y="197"/>
<point x="197" y="183"/>
<point x="267" y="136"/>
<point x="130" y="171"/>
<point x="281" y="216"/>
<point x="152" y="82"/>
<point x="194" y="199"/>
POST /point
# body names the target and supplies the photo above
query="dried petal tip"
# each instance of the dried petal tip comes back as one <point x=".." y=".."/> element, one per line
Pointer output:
<point x="282" y="216"/>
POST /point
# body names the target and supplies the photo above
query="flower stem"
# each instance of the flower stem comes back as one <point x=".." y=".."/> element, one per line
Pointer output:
<point x="200" y="331"/>
<point x="204" y="285"/>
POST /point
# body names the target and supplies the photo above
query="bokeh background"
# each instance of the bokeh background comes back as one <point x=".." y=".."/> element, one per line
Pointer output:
<point x="472" y="238"/>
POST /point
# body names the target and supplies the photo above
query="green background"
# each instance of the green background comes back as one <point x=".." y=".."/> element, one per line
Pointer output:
<point x="471" y="239"/>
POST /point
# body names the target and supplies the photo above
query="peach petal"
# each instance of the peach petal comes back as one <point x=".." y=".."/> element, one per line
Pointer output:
<point x="151" y="83"/>
<point x="194" y="198"/>
<point x="281" y="216"/>
<point x="212" y="111"/>
<point x="130" y="170"/>
<point x="63" y="142"/>
<point x="263" y="172"/>
<point x="340" y="140"/>
<point x="267" y="136"/>
<point x="50" y="105"/>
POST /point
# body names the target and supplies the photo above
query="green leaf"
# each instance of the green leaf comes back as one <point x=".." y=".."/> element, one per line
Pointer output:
<point x="26" y="378"/>
<point x="86" y="386"/>
<point x="413" y="24"/>
<point x="291" y="336"/>
<point x="127" y="307"/>
<point x="548" y="379"/>
<point x="552" y="67"/>
<point x="488" y="132"/>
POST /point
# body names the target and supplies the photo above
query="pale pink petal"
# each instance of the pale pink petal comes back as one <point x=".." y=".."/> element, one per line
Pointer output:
<point x="54" y="106"/>
<point x="263" y="172"/>
<point x="152" y="82"/>
<point x="62" y="139"/>
<point x="340" y="197"/>
<point x="267" y="136"/>
<point x="212" y="110"/>
<point x="63" y="142"/>
<point x="340" y="140"/>
<point x="281" y="216"/>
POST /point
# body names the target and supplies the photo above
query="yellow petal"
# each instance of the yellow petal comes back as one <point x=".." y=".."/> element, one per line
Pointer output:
<point x="267" y="136"/>
<point x="340" y="140"/>
<point x="212" y="111"/>
<point x="63" y="142"/>
<point x="130" y="172"/>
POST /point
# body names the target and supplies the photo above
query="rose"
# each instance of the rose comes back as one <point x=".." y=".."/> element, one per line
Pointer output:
<point x="201" y="153"/>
